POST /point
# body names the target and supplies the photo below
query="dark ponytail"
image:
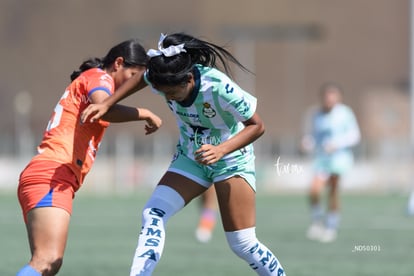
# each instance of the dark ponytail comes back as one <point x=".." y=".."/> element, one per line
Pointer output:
<point x="131" y="51"/>
<point x="86" y="65"/>
<point x="174" y="70"/>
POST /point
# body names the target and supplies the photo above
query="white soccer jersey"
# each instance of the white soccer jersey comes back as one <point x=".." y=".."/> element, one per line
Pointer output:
<point x="214" y="114"/>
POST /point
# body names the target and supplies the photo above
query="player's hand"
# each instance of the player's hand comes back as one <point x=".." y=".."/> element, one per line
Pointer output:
<point x="153" y="122"/>
<point x="208" y="154"/>
<point x="94" y="112"/>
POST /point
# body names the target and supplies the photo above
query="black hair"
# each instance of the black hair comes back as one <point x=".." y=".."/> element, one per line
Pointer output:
<point x="174" y="70"/>
<point x="131" y="50"/>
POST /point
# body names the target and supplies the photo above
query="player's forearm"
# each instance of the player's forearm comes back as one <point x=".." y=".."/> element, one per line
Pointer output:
<point x="121" y="113"/>
<point x="245" y="137"/>
<point x="134" y="84"/>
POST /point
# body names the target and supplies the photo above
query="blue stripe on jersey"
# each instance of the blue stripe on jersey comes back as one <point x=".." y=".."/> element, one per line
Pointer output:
<point x="106" y="89"/>
<point x="46" y="201"/>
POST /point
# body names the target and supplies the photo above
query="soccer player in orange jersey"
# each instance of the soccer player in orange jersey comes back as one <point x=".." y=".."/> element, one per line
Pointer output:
<point x="68" y="149"/>
<point x="208" y="215"/>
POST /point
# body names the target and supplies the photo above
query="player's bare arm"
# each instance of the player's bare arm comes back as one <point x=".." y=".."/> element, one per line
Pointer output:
<point x="121" y="113"/>
<point x="208" y="154"/>
<point x="99" y="107"/>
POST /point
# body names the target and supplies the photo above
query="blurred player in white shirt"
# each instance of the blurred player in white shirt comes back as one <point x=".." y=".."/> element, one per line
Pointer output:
<point x="331" y="133"/>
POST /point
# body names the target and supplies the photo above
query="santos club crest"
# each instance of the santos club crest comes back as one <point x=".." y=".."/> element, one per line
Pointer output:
<point x="208" y="111"/>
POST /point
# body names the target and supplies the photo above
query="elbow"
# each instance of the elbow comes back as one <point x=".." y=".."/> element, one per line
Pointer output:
<point x="260" y="129"/>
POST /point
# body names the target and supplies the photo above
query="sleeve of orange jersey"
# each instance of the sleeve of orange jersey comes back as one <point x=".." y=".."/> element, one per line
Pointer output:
<point x="100" y="83"/>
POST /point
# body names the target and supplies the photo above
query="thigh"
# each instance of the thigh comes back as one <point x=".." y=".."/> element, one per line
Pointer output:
<point x="46" y="184"/>
<point x="333" y="182"/>
<point x="237" y="202"/>
<point x="47" y="229"/>
<point x="186" y="187"/>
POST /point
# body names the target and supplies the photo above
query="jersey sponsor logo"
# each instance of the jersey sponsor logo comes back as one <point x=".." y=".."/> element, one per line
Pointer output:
<point x="208" y="111"/>
<point x="92" y="150"/>
<point x="267" y="259"/>
<point x="153" y="234"/>
<point x="185" y="114"/>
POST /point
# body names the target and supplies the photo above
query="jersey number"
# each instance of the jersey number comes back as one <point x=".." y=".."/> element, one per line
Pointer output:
<point x="57" y="113"/>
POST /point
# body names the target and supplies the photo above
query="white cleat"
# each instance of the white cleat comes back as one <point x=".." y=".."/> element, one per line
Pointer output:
<point x="329" y="235"/>
<point x="203" y="235"/>
<point x="315" y="231"/>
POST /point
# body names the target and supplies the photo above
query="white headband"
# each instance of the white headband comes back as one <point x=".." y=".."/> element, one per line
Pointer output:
<point x="169" y="51"/>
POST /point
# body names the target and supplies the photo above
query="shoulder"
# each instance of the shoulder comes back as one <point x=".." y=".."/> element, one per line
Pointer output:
<point x="93" y="73"/>
<point x="96" y="73"/>
<point x="212" y="75"/>
<point x="218" y="82"/>
<point x="344" y="109"/>
<point x="98" y="77"/>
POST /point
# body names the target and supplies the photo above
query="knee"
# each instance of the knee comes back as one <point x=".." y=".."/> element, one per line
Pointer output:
<point x="242" y="242"/>
<point x="163" y="204"/>
<point x="316" y="188"/>
<point x="314" y="194"/>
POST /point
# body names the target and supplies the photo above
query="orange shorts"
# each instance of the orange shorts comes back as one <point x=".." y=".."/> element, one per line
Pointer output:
<point x="46" y="183"/>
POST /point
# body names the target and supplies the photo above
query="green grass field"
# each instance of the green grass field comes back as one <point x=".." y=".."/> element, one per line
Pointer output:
<point x="104" y="230"/>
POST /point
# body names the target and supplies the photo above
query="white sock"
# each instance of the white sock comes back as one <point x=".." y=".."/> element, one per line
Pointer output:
<point x="317" y="213"/>
<point x="163" y="203"/>
<point x="245" y="245"/>
<point x="332" y="220"/>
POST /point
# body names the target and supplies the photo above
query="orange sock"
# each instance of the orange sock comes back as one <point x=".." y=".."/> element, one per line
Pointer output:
<point x="208" y="219"/>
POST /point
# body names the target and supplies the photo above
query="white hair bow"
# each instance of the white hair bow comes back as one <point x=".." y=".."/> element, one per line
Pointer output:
<point x="169" y="51"/>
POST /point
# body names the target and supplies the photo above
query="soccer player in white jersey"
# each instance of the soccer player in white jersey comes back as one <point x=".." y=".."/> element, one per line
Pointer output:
<point x="332" y="132"/>
<point x="218" y="123"/>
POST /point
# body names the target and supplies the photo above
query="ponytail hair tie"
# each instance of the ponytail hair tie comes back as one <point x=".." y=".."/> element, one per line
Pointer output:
<point x="170" y="51"/>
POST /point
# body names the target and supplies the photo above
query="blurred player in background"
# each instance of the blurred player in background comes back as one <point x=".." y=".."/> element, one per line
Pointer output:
<point x="208" y="215"/>
<point x="410" y="204"/>
<point x="68" y="149"/>
<point x="331" y="133"/>
<point x="218" y="124"/>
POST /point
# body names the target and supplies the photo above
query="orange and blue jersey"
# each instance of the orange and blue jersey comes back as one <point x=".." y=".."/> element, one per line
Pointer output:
<point x="65" y="139"/>
<point x="68" y="148"/>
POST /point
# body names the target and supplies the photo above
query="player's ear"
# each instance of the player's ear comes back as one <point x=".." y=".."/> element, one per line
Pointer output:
<point x="118" y="63"/>
<point x="190" y="77"/>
